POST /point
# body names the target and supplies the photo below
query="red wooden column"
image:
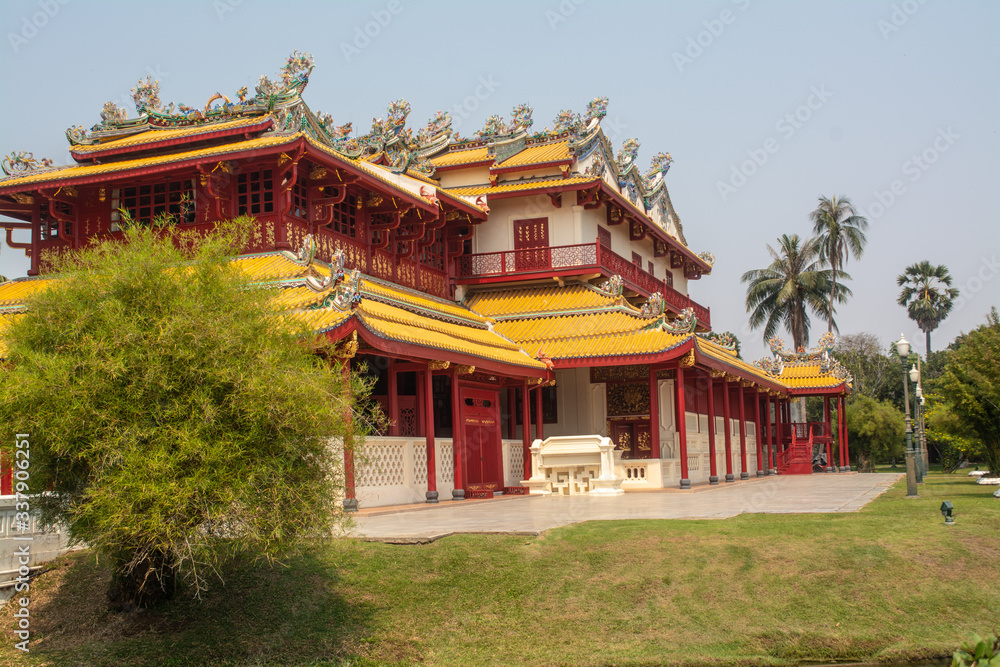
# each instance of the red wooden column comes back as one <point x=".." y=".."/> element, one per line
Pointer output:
<point x="654" y="416"/>
<point x="847" y="438"/>
<point x="829" y="434"/>
<point x="744" y="473"/>
<point x="729" y="431"/>
<point x="840" y="431"/>
<point x="778" y="421"/>
<point x="756" y="430"/>
<point x="682" y="428"/>
<point x="712" y="465"/>
<point x="768" y="437"/>
<point x="526" y="429"/>
<point x="350" y="497"/>
<point x="393" y="400"/>
<point x="457" y="438"/>
<point x="539" y="422"/>
<point x="432" y="494"/>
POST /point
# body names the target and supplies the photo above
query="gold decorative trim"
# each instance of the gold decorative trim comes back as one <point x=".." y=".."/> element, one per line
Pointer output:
<point x="687" y="361"/>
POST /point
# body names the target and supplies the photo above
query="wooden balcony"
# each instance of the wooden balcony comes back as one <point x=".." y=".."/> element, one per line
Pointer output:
<point x="490" y="267"/>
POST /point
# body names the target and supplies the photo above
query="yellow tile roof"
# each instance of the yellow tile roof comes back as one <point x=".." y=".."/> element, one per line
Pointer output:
<point x="15" y="292"/>
<point x="402" y="325"/>
<point x="469" y="156"/>
<point x="570" y="326"/>
<point x="514" y="186"/>
<point x="553" y="152"/>
<point x="125" y="165"/>
<point x="546" y="299"/>
<point x="728" y="357"/>
<point x="154" y="134"/>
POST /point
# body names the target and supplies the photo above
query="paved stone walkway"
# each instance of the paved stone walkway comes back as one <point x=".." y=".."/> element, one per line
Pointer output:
<point x="531" y="515"/>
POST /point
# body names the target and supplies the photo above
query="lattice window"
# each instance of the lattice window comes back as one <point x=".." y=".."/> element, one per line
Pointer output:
<point x="516" y="462"/>
<point x="255" y="192"/>
<point x="637" y="259"/>
<point x="408" y="422"/>
<point x="345" y="217"/>
<point x="433" y="255"/>
<point x="652" y="269"/>
<point x="604" y="236"/>
<point x="49" y="228"/>
<point x="147" y="202"/>
<point x="383" y="465"/>
<point x="300" y="202"/>
<point x="446" y="462"/>
<point x="669" y="278"/>
<point x="419" y="463"/>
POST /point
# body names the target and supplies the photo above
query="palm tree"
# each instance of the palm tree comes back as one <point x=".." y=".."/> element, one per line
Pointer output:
<point x="793" y="284"/>
<point x="927" y="295"/>
<point x="841" y="234"/>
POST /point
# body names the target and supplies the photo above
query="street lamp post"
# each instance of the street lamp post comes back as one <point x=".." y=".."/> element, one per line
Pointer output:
<point x="903" y="349"/>
<point x="918" y="415"/>
<point x="917" y="456"/>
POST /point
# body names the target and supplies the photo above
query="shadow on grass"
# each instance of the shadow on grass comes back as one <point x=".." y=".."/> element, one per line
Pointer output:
<point x="291" y="614"/>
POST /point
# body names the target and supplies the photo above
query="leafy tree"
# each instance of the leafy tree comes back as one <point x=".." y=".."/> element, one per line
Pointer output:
<point x="876" y="431"/>
<point x="971" y="385"/>
<point x="175" y="416"/>
<point x="927" y="295"/>
<point x="841" y="234"/>
<point x="791" y="286"/>
<point x="949" y="434"/>
<point x="876" y="374"/>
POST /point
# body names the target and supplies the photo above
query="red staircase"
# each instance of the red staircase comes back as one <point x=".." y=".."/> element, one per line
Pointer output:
<point x="798" y="439"/>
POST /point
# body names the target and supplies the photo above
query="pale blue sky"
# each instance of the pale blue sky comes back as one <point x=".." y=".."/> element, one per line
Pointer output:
<point x="830" y="98"/>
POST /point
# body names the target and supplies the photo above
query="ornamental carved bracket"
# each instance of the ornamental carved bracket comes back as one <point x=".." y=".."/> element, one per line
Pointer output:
<point x="461" y="369"/>
<point x="346" y="348"/>
<point x="687" y="361"/>
<point x="438" y="364"/>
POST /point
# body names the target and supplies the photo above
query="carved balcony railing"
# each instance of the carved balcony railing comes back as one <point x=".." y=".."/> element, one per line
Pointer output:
<point x="567" y="260"/>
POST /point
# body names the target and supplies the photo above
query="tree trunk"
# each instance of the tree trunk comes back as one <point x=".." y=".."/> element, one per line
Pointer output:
<point x="139" y="581"/>
<point x="927" y="342"/>
<point x="833" y="289"/>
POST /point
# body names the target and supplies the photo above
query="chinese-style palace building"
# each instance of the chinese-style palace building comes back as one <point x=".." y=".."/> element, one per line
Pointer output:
<point x="502" y="288"/>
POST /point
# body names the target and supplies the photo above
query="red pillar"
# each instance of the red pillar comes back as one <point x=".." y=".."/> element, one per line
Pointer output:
<point x="756" y="430"/>
<point x="393" y="400"/>
<point x="712" y="465"/>
<point x="768" y="437"/>
<point x="829" y="434"/>
<point x="744" y="473"/>
<point x="654" y="416"/>
<point x="526" y="429"/>
<point x="729" y="432"/>
<point x="847" y="438"/>
<point x="539" y="428"/>
<point x="350" y="495"/>
<point x="457" y="439"/>
<point x="682" y="429"/>
<point x="432" y="494"/>
<point x="779" y="420"/>
<point x="840" y="431"/>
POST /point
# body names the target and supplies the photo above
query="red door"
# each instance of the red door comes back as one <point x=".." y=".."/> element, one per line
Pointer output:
<point x="531" y="244"/>
<point x="482" y="451"/>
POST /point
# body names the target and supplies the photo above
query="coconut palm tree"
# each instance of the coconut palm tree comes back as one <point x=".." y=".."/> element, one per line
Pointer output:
<point x="841" y="234"/>
<point x="927" y="295"/>
<point x="794" y="284"/>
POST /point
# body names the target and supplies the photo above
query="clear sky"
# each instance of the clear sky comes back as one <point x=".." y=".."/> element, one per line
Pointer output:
<point x="764" y="105"/>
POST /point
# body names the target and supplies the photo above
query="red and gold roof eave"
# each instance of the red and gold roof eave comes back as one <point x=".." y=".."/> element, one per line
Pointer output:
<point x="265" y="123"/>
<point x="651" y="358"/>
<point x="841" y="389"/>
<point x="708" y="361"/>
<point x="654" y="229"/>
<point x="533" y="166"/>
<point x="463" y="165"/>
<point x="403" y="350"/>
<point x="296" y="142"/>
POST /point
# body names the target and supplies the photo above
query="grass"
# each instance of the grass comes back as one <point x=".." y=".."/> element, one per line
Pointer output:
<point x="887" y="583"/>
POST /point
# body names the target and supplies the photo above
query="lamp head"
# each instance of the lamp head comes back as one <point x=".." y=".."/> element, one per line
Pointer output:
<point x="914" y="374"/>
<point x="903" y="347"/>
<point x="946" y="511"/>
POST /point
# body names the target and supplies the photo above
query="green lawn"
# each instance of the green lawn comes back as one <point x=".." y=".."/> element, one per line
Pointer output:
<point x="889" y="582"/>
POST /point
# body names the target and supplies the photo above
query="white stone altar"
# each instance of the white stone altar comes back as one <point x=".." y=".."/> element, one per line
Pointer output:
<point x="572" y="465"/>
